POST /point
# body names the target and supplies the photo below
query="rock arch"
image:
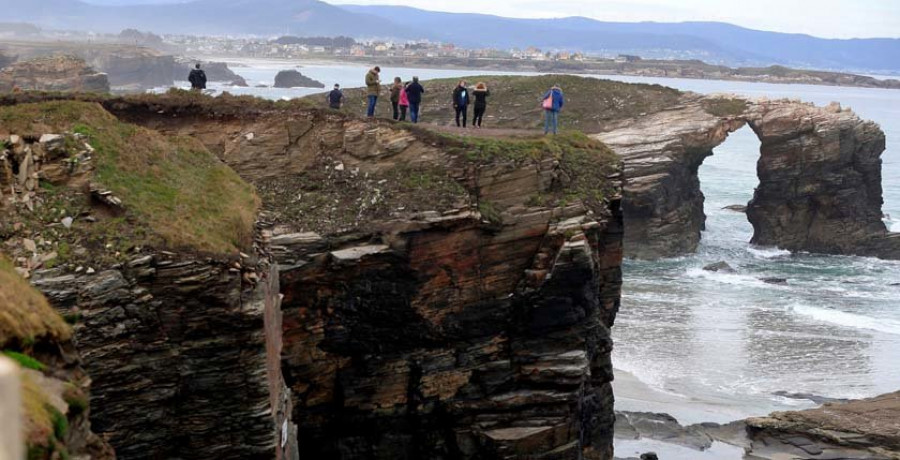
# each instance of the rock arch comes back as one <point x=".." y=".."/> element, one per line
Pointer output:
<point x="819" y="169"/>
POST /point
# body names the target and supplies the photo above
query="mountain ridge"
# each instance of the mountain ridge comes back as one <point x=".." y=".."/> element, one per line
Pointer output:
<point x="712" y="42"/>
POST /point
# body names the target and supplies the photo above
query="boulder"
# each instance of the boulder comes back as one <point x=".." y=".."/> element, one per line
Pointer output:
<point x="294" y="79"/>
<point x="774" y="280"/>
<point x="720" y="267"/>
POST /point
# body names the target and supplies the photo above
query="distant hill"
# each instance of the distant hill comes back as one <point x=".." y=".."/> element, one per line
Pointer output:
<point x="215" y="17"/>
<point x="709" y="41"/>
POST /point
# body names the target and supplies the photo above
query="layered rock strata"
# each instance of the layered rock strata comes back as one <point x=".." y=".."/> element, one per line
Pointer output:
<point x="57" y="73"/>
<point x="182" y="344"/>
<point x="443" y="299"/>
<point x="820" y="176"/>
<point x="55" y="391"/>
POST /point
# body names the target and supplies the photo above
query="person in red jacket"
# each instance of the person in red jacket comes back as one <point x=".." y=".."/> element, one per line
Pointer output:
<point x="404" y="102"/>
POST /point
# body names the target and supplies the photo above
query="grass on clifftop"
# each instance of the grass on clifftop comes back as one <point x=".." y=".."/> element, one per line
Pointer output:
<point x="515" y="101"/>
<point x="175" y="192"/>
<point x="585" y="165"/>
<point x="25" y="316"/>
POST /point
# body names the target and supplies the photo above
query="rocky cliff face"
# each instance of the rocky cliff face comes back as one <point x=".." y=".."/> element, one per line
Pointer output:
<point x="820" y="176"/>
<point x="177" y="350"/>
<point x="179" y="330"/>
<point x="59" y="73"/>
<point x="820" y="181"/>
<point x="443" y="299"/>
<point x="55" y="389"/>
<point x="126" y="66"/>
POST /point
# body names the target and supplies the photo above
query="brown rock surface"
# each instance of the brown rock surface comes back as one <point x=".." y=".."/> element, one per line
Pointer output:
<point x="442" y="297"/>
<point x="55" y="389"/>
<point x="863" y="429"/>
<point x="56" y="73"/>
<point x="820" y="176"/>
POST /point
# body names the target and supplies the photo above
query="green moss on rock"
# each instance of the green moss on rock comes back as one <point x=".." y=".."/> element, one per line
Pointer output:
<point x="175" y="192"/>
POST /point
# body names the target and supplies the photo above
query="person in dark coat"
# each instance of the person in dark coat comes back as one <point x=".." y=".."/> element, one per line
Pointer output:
<point x="461" y="102"/>
<point x="336" y="97"/>
<point x="197" y="78"/>
<point x="480" y="94"/>
<point x="414" y="93"/>
<point x="396" y="88"/>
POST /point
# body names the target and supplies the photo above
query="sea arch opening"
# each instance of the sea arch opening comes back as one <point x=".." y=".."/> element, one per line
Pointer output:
<point x="728" y="179"/>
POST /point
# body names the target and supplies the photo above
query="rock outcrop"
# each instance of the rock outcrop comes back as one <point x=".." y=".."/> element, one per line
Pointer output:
<point x="215" y="71"/>
<point x="55" y="390"/>
<point x="295" y="79"/>
<point x="866" y="429"/>
<point x="443" y="298"/>
<point x="179" y="330"/>
<point x="863" y="429"/>
<point x="56" y="73"/>
<point x="820" y="176"/>
<point x="128" y="67"/>
<point x="820" y="181"/>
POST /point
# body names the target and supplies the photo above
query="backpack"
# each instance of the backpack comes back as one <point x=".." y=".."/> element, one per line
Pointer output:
<point x="548" y="102"/>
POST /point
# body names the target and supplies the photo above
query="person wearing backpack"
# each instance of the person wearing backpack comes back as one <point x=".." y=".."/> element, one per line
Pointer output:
<point x="197" y="77"/>
<point x="461" y="102"/>
<point x="414" y="94"/>
<point x="553" y="102"/>
<point x="335" y="98"/>
<point x="403" y="102"/>
<point x="480" y="94"/>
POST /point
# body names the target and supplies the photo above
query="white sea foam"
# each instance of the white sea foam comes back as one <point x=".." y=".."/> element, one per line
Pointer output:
<point x="735" y="279"/>
<point x="852" y="320"/>
<point x="767" y="253"/>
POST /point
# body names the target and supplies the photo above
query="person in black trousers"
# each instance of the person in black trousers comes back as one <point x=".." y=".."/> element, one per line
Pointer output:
<point x="461" y="102"/>
<point x="480" y="94"/>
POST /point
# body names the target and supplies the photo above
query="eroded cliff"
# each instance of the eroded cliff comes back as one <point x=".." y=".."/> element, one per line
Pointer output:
<point x="442" y="297"/>
<point x="819" y="169"/>
<point x="147" y="243"/>
<point x="55" y="390"/>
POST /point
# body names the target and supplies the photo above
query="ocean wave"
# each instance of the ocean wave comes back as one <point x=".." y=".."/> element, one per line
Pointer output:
<point x="767" y="253"/>
<point x="844" y="319"/>
<point x="735" y="279"/>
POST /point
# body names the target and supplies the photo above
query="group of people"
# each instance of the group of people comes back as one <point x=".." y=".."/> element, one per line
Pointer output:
<point x="462" y="98"/>
<point x="408" y="97"/>
<point x="404" y="96"/>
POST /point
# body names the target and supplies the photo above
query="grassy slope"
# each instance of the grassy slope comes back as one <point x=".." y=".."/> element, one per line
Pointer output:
<point x="25" y="315"/>
<point x="176" y="193"/>
<point x="515" y="101"/>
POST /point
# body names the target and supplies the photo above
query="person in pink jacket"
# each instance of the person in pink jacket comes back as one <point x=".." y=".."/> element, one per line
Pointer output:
<point x="404" y="102"/>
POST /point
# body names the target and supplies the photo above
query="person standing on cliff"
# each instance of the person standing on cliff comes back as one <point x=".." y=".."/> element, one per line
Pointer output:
<point x="480" y="94"/>
<point x="461" y="103"/>
<point x="404" y="102"/>
<point x="553" y="102"/>
<point x="197" y="77"/>
<point x="396" y="89"/>
<point x="336" y="97"/>
<point x="373" y="87"/>
<point x="414" y="93"/>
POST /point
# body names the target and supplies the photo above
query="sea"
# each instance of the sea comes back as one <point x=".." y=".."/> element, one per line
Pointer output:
<point x="718" y="347"/>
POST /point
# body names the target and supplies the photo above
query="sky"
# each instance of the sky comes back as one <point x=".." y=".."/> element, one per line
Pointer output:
<point x="822" y="18"/>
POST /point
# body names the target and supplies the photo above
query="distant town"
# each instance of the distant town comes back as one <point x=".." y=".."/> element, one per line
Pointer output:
<point x="289" y="47"/>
